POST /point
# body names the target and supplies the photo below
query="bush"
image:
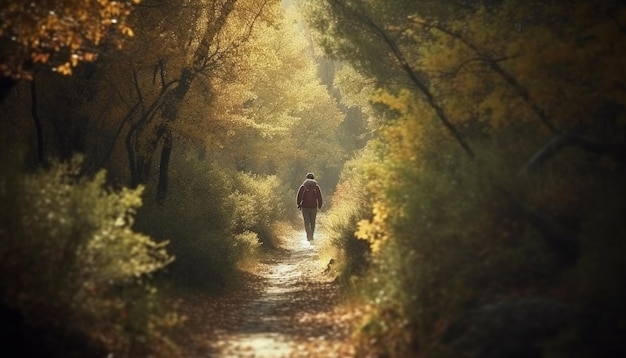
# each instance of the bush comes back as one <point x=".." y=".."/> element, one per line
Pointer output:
<point x="351" y="203"/>
<point x="258" y="202"/>
<point x="216" y="219"/>
<point x="451" y="236"/>
<point x="71" y="262"/>
<point x="196" y="216"/>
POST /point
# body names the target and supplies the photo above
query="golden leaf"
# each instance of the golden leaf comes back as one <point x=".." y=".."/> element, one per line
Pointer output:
<point x="40" y="57"/>
<point x="127" y="31"/>
<point x="90" y="57"/>
<point x="74" y="60"/>
<point x="64" y="69"/>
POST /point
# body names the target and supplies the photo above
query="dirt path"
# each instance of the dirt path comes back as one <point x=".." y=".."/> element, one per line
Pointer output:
<point x="289" y="309"/>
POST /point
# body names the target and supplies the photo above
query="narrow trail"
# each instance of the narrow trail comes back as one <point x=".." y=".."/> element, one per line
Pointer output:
<point x="290" y="308"/>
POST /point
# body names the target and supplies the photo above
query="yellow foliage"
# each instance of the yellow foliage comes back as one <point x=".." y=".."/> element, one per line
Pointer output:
<point x="375" y="231"/>
<point x="125" y="30"/>
<point x="48" y="29"/>
<point x="569" y="66"/>
<point x="400" y="102"/>
<point x="72" y="240"/>
<point x="64" y="69"/>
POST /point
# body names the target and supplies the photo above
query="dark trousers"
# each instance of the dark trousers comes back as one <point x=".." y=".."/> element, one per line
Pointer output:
<point x="309" y="215"/>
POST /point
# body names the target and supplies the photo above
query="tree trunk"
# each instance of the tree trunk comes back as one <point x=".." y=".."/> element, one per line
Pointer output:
<point x="411" y="74"/>
<point x="565" y="139"/>
<point x="167" y="107"/>
<point x="166" y="151"/>
<point x="173" y="102"/>
<point x="34" y="105"/>
<point x="6" y="85"/>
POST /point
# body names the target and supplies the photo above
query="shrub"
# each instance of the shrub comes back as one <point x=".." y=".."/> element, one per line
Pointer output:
<point x="258" y="202"/>
<point x="71" y="262"/>
<point x="216" y="219"/>
<point x="246" y="247"/>
<point x="351" y="203"/>
<point x="452" y="235"/>
<point x="196" y="216"/>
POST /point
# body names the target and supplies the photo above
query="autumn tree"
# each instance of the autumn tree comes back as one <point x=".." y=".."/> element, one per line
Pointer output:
<point x="359" y="31"/>
<point x="225" y="27"/>
<point x="467" y="51"/>
<point x="56" y="34"/>
<point x="139" y="92"/>
<point x="292" y="119"/>
<point x="530" y="85"/>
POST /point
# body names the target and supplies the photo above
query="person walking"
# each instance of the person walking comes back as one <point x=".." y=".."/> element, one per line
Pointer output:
<point x="309" y="200"/>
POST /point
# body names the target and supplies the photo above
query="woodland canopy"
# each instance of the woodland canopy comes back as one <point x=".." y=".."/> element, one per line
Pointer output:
<point x="472" y="154"/>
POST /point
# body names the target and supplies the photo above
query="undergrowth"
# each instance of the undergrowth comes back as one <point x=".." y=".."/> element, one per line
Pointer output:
<point x="73" y="269"/>
<point x="219" y="222"/>
<point x="452" y="235"/>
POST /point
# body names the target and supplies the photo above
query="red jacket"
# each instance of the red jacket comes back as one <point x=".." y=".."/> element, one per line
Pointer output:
<point x="309" y="195"/>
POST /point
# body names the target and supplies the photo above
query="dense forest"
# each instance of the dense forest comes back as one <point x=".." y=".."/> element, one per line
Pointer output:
<point x="471" y="153"/>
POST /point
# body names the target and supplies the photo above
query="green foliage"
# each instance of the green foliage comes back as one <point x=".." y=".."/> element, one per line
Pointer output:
<point x="246" y="248"/>
<point x="450" y="235"/>
<point x="465" y="233"/>
<point x="258" y="202"/>
<point x="351" y="203"/>
<point x="70" y="260"/>
<point x="216" y="221"/>
<point x="197" y="219"/>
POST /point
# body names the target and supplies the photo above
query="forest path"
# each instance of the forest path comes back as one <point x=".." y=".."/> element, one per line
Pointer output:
<point x="290" y="308"/>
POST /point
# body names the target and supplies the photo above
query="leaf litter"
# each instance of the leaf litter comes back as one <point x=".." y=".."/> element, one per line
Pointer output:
<point x="291" y="307"/>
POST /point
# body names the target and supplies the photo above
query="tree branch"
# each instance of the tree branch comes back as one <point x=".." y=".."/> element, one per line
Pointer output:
<point x="508" y="78"/>
<point x="406" y="67"/>
<point x="617" y="151"/>
<point x="468" y="61"/>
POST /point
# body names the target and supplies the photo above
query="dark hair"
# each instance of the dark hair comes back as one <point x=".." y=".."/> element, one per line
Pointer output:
<point x="310" y="176"/>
